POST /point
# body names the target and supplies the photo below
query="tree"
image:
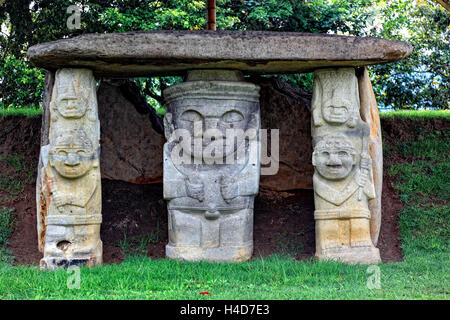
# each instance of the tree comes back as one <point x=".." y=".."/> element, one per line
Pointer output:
<point x="418" y="81"/>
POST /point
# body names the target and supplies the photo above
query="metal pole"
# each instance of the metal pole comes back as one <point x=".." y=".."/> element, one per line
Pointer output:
<point x="211" y="7"/>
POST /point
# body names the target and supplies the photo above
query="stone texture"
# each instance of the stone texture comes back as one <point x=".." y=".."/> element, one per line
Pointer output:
<point x="131" y="149"/>
<point x="287" y="109"/>
<point x="174" y="52"/>
<point x="370" y="114"/>
<point x="69" y="183"/>
<point x="45" y="128"/>
<point x="210" y="189"/>
<point x="343" y="179"/>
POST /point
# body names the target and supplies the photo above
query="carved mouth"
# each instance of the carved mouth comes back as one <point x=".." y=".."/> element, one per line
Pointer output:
<point x="72" y="108"/>
<point x="334" y="167"/>
<point x="71" y="170"/>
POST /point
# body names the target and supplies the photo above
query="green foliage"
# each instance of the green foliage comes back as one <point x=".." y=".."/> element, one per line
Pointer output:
<point x="420" y="81"/>
<point x="424" y="179"/>
<point x="428" y="229"/>
<point x="424" y="188"/>
<point x="316" y="16"/>
<point x="6" y="224"/>
<point x="6" y="228"/>
<point x="27" y="112"/>
<point x="16" y="177"/>
<point x="416" y="114"/>
<point x="20" y="86"/>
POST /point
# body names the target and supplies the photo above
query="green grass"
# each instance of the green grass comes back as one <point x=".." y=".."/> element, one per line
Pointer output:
<point x="14" y="181"/>
<point x="28" y="112"/>
<point x="138" y="246"/>
<point x="418" y="115"/>
<point x="422" y="182"/>
<point x="6" y="229"/>
<point x="272" y="278"/>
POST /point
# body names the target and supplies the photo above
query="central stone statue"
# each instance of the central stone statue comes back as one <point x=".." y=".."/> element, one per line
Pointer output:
<point x="211" y="166"/>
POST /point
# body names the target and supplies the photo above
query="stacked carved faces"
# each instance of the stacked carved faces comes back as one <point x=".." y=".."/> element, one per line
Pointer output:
<point x="343" y="181"/>
<point x="69" y="178"/>
<point x="334" y="157"/>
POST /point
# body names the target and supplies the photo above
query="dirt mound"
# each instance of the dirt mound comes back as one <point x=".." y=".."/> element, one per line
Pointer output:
<point x="135" y="216"/>
<point x="404" y="129"/>
<point x="20" y="135"/>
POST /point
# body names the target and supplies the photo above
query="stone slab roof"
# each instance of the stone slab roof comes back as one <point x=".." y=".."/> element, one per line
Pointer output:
<point x="149" y="53"/>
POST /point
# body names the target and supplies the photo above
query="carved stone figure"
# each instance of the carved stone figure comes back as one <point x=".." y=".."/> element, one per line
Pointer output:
<point x="336" y="100"/>
<point x="74" y="103"/>
<point x="211" y="176"/>
<point x="343" y="179"/>
<point x="69" y="181"/>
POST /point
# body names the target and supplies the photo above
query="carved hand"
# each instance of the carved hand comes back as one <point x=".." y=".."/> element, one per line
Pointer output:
<point x="366" y="162"/>
<point x="58" y="198"/>
<point x="195" y="188"/>
<point x="229" y="188"/>
<point x="351" y="123"/>
<point x="317" y="117"/>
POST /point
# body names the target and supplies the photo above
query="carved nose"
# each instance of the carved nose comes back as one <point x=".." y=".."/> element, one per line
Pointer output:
<point x="211" y="123"/>
<point x="72" y="160"/>
<point x="334" y="160"/>
<point x="211" y="129"/>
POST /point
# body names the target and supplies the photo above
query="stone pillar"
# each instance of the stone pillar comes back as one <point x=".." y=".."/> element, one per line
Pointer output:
<point x="343" y="178"/>
<point x="370" y="114"/>
<point x="211" y="177"/>
<point x="69" y="182"/>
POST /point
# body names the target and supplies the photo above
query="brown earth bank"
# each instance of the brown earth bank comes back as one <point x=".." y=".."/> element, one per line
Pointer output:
<point x="135" y="217"/>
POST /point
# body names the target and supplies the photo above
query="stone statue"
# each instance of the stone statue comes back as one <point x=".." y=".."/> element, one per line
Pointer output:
<point x="73" y="94"/>
<point x="336" y="100"/>
<point x="69" y="181"/>
<point x="72" y="159"/>
<point x="343" y="180"/>
<point x="210" y="188"/>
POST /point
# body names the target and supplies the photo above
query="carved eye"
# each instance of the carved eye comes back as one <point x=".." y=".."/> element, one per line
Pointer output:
<point x="191" y="115"/>
<point x="62" y="153"/>
<point x="232" y="116"/>
<point x="81" y="152"/>
<point x="326" y="154"/>
<point x="342" y="154"/>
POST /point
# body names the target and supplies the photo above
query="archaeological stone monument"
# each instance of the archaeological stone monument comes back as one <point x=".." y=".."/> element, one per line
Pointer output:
<point x="210" y="199"/>
<point x="211" y="158"/>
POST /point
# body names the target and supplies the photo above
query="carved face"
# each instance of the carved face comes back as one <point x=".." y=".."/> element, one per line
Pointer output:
<point x="70" y="102"/>
<point x="207" y="122"/>
<point x="336" y="110"/>
<point x="334" y="158"/>
<point x="72" y="155"/>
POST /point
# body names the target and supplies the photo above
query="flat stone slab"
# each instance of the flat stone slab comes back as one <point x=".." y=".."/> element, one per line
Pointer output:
<point x="173" y="52"/>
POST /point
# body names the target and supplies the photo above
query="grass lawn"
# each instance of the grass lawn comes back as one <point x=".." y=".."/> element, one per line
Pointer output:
<point x="422" y="182"/>
<point x="418" y="115"/>
<point x="28" y="112"/>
